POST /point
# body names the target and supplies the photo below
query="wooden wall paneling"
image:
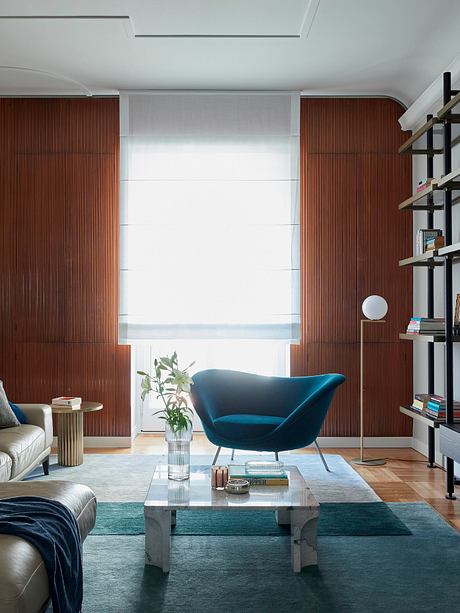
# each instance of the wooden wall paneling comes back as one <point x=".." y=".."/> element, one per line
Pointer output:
<point x="361" y="136"/>
<point x="101" y="372"/>
<point x="91" y="249"/>
<point x="59" y="255"/>
<point x="343" y="415"/>
<point x="39" y="371"/>
<point x="40" y="210"/>
<point x="329" y="221"/>
<point x="65" y="125"/>
<point x="351" y="125"/>
<point x="384" y="238"/>
<point x="386" y="388"/>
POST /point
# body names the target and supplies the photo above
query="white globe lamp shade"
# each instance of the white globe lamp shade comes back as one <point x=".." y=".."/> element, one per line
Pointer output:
<point x="375" y="307"/>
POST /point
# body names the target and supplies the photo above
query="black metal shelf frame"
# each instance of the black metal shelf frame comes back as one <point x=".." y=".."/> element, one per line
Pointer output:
<point x="442" y="257"/>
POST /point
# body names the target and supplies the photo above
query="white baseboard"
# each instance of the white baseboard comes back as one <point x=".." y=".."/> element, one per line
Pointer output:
<point x="369" y="441"/>
<point x="420" y="446"/>
<point x="103" y="441"/>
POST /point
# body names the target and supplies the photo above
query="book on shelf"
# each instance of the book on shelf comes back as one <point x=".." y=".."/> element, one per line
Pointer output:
<point x="423" y="184"/>
<point x="425" y="235"/>
<point x="66" y="401"/>
<point x="256" y="478"/>
<point x="434" y="243"/>
<point x="420" y="402"/>
<point x="426" y="325"/>
<point x="441" y="415"/>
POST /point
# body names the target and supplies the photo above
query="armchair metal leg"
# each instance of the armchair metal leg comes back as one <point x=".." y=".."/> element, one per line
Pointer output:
<point x="322" y="457"/>
<point x="216" y="456"/>
<point x="233" y="455"/>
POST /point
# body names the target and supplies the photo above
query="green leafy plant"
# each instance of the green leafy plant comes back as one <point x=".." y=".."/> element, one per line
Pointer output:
<point x="172" y="385"/>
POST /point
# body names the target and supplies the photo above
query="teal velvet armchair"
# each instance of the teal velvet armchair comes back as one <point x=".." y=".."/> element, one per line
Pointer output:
<point x="257" y="413"/>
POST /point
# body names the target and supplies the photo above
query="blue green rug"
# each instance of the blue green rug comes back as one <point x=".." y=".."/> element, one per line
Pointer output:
<point x="252" y="574"/>
<point x="336" y="519"/>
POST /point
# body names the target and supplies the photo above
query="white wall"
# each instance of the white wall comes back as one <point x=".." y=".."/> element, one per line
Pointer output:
<point x="420" y="349"/>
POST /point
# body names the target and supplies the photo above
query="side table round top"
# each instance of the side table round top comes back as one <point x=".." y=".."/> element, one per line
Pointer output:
<point x="85" y="407"/>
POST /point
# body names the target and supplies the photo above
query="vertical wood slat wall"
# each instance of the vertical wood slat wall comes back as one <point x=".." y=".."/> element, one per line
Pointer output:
<point x="59" y="209"/>
<point x="351" y="240"/>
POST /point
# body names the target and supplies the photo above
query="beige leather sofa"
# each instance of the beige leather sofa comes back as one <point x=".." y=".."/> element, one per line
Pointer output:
<point x="23" y="577"/>
<point x="24" y="447"/>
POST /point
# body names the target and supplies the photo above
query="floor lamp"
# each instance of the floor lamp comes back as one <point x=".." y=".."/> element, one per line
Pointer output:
<point x="374" y="308"/>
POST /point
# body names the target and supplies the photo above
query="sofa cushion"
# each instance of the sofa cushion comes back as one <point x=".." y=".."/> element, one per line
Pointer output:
<point x="7" y="416"/>
<point x="22" y="419"/>
<point x="246" y="426"/>
<point x="23" y="444"/>
<point x="5" y="467"/>
<point x="24" y="580"/>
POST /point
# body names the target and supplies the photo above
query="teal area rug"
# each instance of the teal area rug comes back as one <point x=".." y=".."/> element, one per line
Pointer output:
<point x="252" y="574"/>
<point x="336" y="519"/>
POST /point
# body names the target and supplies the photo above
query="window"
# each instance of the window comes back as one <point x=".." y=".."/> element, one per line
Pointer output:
<point x="209" y="217"/>
<point x="210" y="229"/>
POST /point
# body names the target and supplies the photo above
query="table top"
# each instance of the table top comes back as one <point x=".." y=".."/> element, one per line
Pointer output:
<point x="196" y="493"/>
<point x="85" y="407"/>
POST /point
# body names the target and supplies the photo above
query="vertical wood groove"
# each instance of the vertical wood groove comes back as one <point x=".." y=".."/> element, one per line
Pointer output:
<point x="59" y="182"/>
<point x="352" y="237"/>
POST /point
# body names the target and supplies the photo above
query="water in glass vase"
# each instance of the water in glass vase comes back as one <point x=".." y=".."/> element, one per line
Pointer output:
<point x="178" y="453"/>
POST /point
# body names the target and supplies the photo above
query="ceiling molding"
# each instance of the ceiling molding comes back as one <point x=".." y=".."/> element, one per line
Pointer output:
<point x="430" y="100"/>
<point x="54" y="75"/>
<point x="306" y="25"/>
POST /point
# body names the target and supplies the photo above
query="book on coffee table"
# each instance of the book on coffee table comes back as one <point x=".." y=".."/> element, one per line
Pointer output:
<point x="257" y="478"/>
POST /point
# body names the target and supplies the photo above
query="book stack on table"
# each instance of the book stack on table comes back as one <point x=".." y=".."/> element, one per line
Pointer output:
<point x="258" y="477"/>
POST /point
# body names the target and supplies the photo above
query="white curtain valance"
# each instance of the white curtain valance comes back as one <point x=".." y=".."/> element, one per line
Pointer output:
<point x="209" y="224"/>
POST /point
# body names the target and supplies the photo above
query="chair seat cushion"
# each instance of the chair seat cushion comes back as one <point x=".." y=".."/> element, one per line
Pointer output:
<point x="246" y="426"/>
<point x="23" y="444"/>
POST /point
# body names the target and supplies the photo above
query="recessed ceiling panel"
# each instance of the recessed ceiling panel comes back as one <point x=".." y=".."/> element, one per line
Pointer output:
<point x="219" y="18"/>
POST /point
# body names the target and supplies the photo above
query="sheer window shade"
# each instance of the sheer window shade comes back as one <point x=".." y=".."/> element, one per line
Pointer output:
<point x="209" y="216"/>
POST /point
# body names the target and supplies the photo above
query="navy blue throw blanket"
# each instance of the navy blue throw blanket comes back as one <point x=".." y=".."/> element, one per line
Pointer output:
<point x="50" y="527"/>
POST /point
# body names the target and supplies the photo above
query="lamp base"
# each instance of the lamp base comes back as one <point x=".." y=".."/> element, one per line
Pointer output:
<point x="376" y="462"/>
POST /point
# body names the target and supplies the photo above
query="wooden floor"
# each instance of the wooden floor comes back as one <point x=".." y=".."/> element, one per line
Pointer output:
<point x="405" y="477"/>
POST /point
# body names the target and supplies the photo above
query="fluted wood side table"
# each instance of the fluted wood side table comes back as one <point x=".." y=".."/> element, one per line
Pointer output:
<point x="70" y="432"/>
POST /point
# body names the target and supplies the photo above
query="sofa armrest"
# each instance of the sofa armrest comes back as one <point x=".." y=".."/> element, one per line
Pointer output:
<point x="40" y="415"/>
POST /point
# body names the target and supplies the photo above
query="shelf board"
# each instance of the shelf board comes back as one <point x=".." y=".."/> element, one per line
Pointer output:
<point x="450" y="250"/>
<point x="429" y="338"/>
<point x="441" y="114"/>
<point x="407" y="147"/>
<point x="432" y="191"/>
<point x="428" y="420"/>
<point x="450" y="181"/>
<point x="425" y="259"/>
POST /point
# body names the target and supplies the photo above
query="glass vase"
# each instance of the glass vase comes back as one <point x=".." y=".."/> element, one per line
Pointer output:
<point x="178" y="453"/>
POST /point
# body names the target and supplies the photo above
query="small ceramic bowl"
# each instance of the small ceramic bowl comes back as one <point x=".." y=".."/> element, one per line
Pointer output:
<point x="237" y="486"/>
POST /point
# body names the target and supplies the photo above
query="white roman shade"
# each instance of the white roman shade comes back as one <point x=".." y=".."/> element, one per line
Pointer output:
<point x="209" y="225"/>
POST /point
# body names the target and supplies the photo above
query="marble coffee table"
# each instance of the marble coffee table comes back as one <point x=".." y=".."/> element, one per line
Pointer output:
<point x="294" y="505"/>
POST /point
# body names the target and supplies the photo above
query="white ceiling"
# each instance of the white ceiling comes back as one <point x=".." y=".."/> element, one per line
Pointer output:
<point x="340" y="47"/>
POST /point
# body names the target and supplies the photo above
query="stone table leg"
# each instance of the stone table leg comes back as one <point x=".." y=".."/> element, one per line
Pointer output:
<point x="283" y="517"/>
<point x="158" y="538"/>
<point x="304" y="529"/>
<point x="70" y="439"/>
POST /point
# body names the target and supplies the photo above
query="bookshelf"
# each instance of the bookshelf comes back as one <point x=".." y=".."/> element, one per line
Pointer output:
<point x="439" y="195"/>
